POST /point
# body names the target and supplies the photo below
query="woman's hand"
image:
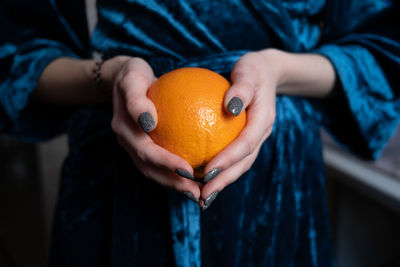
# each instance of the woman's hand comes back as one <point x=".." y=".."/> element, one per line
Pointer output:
<point x="135" y="116"/>
<point x="257" y="77"/>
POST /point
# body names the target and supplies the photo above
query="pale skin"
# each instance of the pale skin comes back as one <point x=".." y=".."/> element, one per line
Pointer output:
<point x="257" y="78"/>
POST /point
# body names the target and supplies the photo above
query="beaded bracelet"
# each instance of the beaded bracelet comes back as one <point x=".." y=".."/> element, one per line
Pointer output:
<point x="97" y="78"/>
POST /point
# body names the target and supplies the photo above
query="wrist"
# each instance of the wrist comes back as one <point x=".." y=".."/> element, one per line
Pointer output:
<point x="276" y="61"/>
<point x="309" y="75"/>
<point x="94" y="80"/>
<point x="88" y="68"/>
<point x="110" y="69"/>
<point x="101" y="75"/>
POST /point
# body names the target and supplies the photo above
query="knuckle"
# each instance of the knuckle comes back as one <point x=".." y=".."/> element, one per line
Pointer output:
<point x="178" y="187"/>
<point x="182" y="185"/>
<point x="121" y="59"/>
<point x="251" y="67"/>
<point x="246" y="86"/>
<point x="146" y="174"/>
<point x="239" y="72"/>
<point x="142" y="155"/>
<point x="250" y="147"/>
<point x="248" y="66"/>
<point x="124" y="82"/>
<point x="141" y="79"/>
<point x="133" y="79"/>
<point x="131" y="64"/>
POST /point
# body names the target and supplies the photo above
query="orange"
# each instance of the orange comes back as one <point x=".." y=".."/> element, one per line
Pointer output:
<point x="192" y="121"/>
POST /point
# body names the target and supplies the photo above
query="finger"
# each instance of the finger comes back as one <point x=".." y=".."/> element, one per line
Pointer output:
<point x="210" y="190"/>
<point x="240" y="94"/>
<point x="143" y="145"/>
<point x="257" y="129"/>
<point x="133" y="86"/>
<point x="169" y="179"/>
<point x="151" y="153"/>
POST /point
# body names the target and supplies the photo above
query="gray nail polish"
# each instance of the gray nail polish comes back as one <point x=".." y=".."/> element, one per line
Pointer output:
<point x="212" y="174"/>
<point x="235" y="106"/>
<point x="190" y="196"/>
<point x="146" y="121"/>
<point x="205" y="207"/>
<point x="184" y="174"/>
<point x="209" y="200"/>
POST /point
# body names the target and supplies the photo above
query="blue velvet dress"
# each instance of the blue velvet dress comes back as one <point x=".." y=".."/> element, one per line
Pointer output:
<point x="275" y="214"/>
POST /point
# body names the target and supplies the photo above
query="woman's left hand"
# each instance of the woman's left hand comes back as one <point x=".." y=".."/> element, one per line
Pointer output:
<point x="255" y="77"/>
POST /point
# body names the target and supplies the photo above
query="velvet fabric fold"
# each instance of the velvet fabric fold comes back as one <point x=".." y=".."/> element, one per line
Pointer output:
<point x="31" y="36"/>
<point x="108" y="214"/>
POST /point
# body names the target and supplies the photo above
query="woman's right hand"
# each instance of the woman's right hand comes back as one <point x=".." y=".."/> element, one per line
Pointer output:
<point x="134" y="116"/>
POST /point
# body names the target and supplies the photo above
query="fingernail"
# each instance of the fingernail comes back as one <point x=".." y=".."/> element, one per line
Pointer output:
<point x="235" y="106"/>
<point x="146" y="121"/>
<point x="209" y="200"/>
<point x="190" y="196"/>
<point x="184" y="174"/>
<point x="212" y="174"/>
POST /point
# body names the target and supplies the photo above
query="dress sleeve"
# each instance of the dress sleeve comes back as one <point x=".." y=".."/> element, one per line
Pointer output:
<point x="32" y="34"/>
<point x="362" y="40"/>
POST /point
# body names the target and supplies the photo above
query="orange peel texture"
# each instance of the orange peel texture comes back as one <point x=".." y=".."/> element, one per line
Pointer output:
<point x="192" y="121"/>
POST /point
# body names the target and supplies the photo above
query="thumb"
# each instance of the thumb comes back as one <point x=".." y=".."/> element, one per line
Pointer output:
<point x="241" y="93"/>
<point x="133" y="87"/>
